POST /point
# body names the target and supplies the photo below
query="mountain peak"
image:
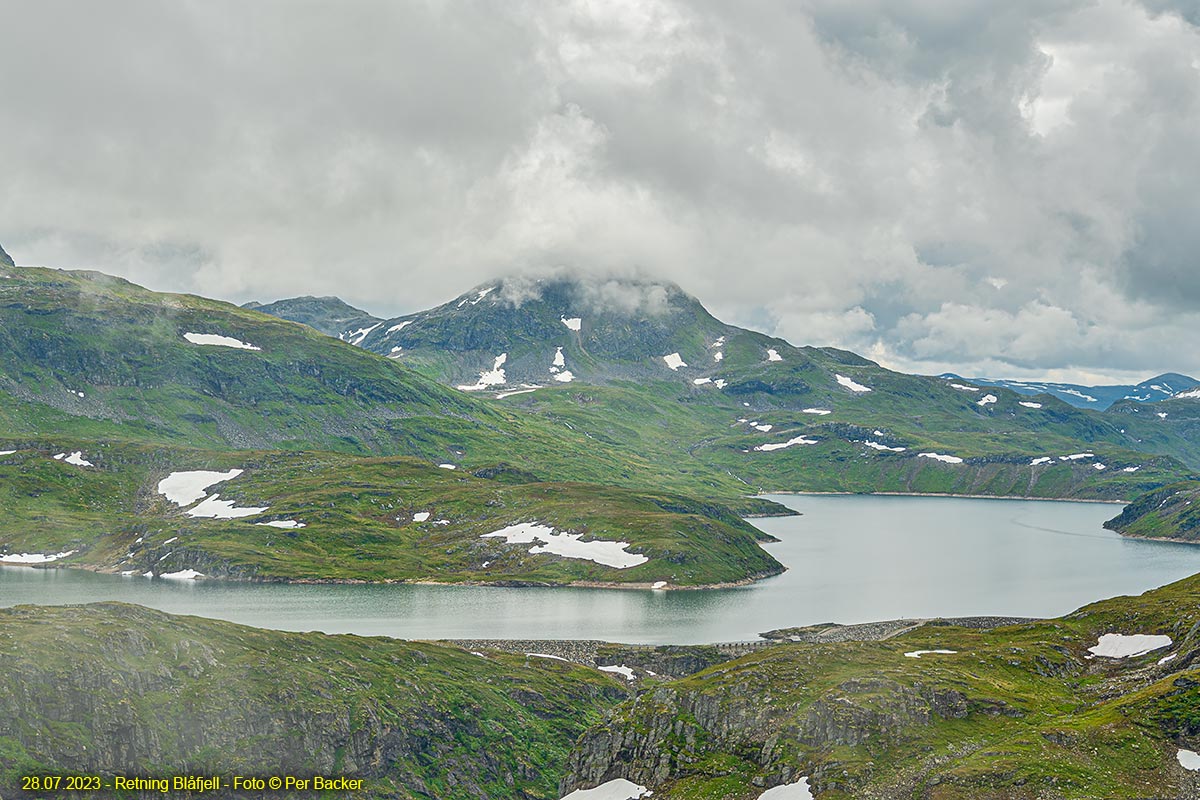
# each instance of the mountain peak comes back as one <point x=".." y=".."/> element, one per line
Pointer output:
<point x="628" y="296"/>
<point x="329" y="315"/>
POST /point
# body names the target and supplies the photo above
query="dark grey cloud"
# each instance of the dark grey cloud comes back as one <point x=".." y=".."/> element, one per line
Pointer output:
<point x="976" y="186"/>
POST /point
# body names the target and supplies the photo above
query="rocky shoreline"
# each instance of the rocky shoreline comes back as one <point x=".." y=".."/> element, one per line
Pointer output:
<point x="675" y="661"/>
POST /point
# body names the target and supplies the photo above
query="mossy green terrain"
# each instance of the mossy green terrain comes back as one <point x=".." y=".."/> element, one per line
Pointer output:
<point x="1172" y="512"/>
<point x="119" y="689"/>
<point x="704" y="432"/>
<point x="372" y="519"/>
<point x="1016" y="712"/>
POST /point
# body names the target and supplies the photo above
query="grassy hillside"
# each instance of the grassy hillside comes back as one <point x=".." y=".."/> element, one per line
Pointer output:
<point x="1172" y="512"/>
<point x="375" y="519"/>
<point x="118" y="689"/>
<point x="1019" y="712"/>
<point x="706" y="432"/>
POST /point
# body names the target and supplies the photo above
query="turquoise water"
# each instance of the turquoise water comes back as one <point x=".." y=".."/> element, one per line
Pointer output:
<point x="851" y="559"/>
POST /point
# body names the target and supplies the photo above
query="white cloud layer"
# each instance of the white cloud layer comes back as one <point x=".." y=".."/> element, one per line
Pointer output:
<point x="985" y="187"/>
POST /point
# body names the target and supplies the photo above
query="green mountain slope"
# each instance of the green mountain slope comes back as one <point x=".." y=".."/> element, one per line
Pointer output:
<point x="117" y="689"/>
<point x="329" y="315"/>
<point x="619" y="329"/>
<point x="1172" y="512"/>
<point x="1019" y="712"/>
<point x="327" y="516"/>
<point x="1169" y="426"/>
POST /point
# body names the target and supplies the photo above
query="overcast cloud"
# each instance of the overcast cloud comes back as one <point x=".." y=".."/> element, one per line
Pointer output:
<point x="996" y="188"/>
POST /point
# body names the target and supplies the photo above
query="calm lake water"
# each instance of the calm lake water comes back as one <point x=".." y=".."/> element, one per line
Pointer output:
<point x="851" y="559"/>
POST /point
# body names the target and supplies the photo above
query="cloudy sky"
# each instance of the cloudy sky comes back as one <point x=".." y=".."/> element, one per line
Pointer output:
<point x="1004" y="188"/>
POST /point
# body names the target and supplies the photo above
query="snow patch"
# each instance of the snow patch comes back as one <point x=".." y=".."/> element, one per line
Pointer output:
<point x="616" y="789"/>
<point x="185" y="488"/>
<point x="702" y="381"/>
<point x="75" y="458"/>
<point x="219" y="341"/>
<point x="965" y="388"/>
<point x="1167" y="659"/>
<point x="1042" y="460"/>
<point x="492" y="377"/>
<point x="764" y="428"/>
<point x="503" y="395"/>
<point x="987" y="400"/>
<point x="673" y="361"/>
<point x="182" y="575"/>
<point x="878" y="446"/>
<point x="850" y="384"/>
<point x="1119" y="645"/>
<point x="819" y="411"/>
<point x="1188" y="759"/>
<point x="1078" y="393"/>
<point x="1194" y="393"/>
<point x="1099" y="467"/>
<point x="1077" y="456"/>
<point x="447" y="466"/>
<point x="398" y="327"/>
<point x="659" y="585"/>
<point x="1161" y="415"/>
<point x="568" y="545"/>
<point x="286" y="524"/>
<point x="566" y="376"/>
<point x="624" y="671"/>
<point x="215" y="508"/>
<point x="940" y="457"/>
<point x="1029" y="404"/>
<point x="1131" y="469"/>
<point x="559" y="361"/>
<point x="919" y="653"/>
<point x="574" y="323"/>
<point x="421" y="516"/>
<point x="356" y="337"/>
<point x="35" y="558"/>
<point x="7" y="452"/>
<point x="547" y="655"/>
<point x="718" y="356"/>
<point x="766" y="448"/>
<point x="773" y="355"/>
<point x="789" y="791"/>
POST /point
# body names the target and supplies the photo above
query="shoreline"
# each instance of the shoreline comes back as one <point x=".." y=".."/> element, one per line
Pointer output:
<point x="945" y="494"/>
<point x="500" y="584"/>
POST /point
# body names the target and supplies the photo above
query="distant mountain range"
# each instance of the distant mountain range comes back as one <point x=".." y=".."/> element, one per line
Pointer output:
<point x="1098" y="398"/>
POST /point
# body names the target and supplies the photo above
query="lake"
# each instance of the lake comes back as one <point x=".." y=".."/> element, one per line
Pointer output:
<point x="851" y="558"/>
